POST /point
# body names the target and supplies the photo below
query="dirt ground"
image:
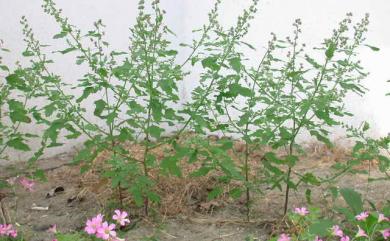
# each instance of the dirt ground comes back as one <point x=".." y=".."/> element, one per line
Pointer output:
<point x="72" y="207"/>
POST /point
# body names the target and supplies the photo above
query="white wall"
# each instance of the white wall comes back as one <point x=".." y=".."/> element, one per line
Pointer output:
<point x="319" y="18"/>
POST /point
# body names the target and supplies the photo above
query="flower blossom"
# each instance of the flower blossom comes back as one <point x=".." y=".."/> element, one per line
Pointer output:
<point x="8" y="230"/>
<point x="344" y="238"/>
<point x="106" y="231"/>
<point x="301" y="211"/>
<point x="361" y="233"/>
<point x="284" y="237"/>
<point x="382" y="217"/>
<point x="362" y="216"/>
<point x="28" y="184"/>
<point x="121" y="217"/>
<point x="94" y="224"/>
<point x="336" y="230"/>
<point x="386" y="233"/>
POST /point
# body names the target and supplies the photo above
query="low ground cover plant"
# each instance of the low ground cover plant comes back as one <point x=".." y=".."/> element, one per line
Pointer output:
<point x="293" y="90"/>
<point x="357" y="223"/>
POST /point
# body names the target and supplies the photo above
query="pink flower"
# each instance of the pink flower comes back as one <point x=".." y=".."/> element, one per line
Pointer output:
<point x="361" y="233"/>
<point x="381" y="218"/>
<point x="284" y="237"/>
<point x="318" y="239"/>
<point x="94" y="224"/>
<point x="106" y="231"/>
<point x="362" y="216"/>
<point x="55" y="240"/>
<point x="52" y="229"/>
<point x="121" y="217"/>
<point x="28" y="184"/>
<point x="336" y="230"/>
<point x="301" y="211"/>
<point x="8" y="230"/>
<point x="344" y="238"/>
<point x="386" y="233"/>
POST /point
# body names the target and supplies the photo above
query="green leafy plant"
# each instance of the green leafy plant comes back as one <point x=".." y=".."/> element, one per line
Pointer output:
<point x="287" y="94"/>
<point x="15" y="95"/>
<point x="292" y="91"/>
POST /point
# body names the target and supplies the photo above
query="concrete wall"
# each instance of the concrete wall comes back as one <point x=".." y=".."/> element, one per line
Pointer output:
<point x="319" y="18"/>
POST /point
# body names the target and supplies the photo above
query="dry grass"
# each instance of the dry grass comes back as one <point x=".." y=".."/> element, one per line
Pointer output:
<point x="183" y="195"/>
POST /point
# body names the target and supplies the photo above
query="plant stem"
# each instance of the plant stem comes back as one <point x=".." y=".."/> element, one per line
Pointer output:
<point x="247" y="180"/>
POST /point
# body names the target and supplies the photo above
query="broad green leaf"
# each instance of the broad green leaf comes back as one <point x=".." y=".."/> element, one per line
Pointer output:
<point x="211" y="63"/>
<point x="291" y="160"/>
<point x="353" y="199"/>
<point x="17" y="112"/>
<point x="321" y="228"/>
<point x="14" y="80"/>
<point x="238" y="89"/>
<point x="86" y="92"/>
<point x="18" y="144"/>
<point x="155" y="131"/>
<point x="235" y="63"/>
<point x="99" y="107"/>
<point x="170" y="165"/>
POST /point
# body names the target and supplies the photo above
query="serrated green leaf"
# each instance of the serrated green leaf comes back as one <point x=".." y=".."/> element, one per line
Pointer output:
<point x="15" y="81"/>
<point x="18" y="113"/>
<point x="235" y="63"/>
<point x="18" y="144"/>
<point x="321" y="228"/>
<point x="211" y="63"/>
<point x="237" y="89"/>
<point x="99" y="107"/>
<point x="155" y="131"/>
<point x="353" y="199"/>
<point x="169" y="164"/>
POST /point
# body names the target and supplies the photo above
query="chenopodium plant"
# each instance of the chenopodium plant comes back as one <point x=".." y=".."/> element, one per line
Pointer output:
<point x="303" y="95"/>
<point x="369" y="149"/>
<point x="15" y="109"/>
<point x="221" y="69"/>
<point x="288" y="93"/>
<point x="133" y="93"/>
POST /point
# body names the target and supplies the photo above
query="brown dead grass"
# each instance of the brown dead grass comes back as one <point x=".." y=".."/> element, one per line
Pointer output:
<point x="186" y="194"/>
